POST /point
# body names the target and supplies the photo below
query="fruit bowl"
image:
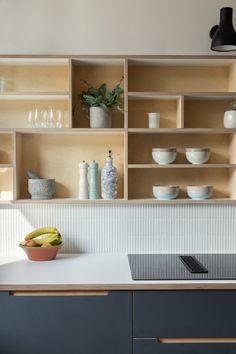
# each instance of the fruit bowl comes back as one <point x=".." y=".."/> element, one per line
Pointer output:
<point x="40" y="254"/>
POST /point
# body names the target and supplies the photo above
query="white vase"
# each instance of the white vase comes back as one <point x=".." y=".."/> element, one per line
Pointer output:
<point x="230" y="119"/>
<point x="99" y="117"/>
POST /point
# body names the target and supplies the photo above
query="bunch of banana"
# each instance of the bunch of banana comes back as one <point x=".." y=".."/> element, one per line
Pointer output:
<point x="43" y="237"/>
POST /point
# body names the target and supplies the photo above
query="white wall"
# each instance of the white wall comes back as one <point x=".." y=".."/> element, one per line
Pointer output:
<point x="116" y="27"/>
<point x="108" y="26"/>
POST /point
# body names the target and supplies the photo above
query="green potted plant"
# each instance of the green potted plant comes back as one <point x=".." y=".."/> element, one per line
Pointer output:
<point x="230" y="116"/>
<point x="99" y="102"/>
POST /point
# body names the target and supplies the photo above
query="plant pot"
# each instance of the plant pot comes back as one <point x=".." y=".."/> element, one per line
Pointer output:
<point x="230" y="119"/>
<point x="99" y="117"/>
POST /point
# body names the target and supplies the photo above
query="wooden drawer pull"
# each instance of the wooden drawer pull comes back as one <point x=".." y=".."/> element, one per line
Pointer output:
<point x="58" y="293"/>
<point x="195" y="340"/>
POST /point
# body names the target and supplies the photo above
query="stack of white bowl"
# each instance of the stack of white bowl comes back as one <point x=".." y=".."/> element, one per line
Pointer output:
<point x="196" y="156"/>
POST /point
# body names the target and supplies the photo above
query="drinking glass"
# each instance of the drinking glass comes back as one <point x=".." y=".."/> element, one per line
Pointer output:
<point x="51" y="118"/>
<point x="34" y="119"/>
<point x="44" y="118"/>
<point x="59" y="118"/>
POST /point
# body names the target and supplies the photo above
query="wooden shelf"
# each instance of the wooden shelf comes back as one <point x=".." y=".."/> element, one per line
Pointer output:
<point x="210" y="96"/>
<point x="67" y="131"/>
<point x="34" y="96"/>
<point x="69" y="201"/>
<point x="187" y="95"/>
<point x="187" y="166"/>
<point x="119" y="201"/>
<point x="5" y="165"/>
<point x="182" y="131"/>
<point x="153" y="96"/>
<point x="33" y="61"/>
<point x="182" y="201"/>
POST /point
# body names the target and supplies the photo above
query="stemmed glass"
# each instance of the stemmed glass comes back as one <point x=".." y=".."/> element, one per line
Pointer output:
<point x="46" y="118"/>
<point x="34" y="119"/>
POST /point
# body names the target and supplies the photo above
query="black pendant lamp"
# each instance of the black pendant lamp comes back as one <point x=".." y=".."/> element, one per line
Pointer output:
<point x="224" y="35"/>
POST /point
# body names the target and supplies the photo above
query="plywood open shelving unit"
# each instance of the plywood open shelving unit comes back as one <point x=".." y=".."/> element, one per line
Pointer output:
<point x="190" y="92"/>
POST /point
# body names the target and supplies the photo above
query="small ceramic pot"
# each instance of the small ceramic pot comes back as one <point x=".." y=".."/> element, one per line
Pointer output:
<point x="154" y="120"/>
<point x="197" y="156"/>
<point x="99" y="118"/>
<point x="41" y="189"/>
<point x="164" y="156"/>
<point x="165" y="192"/>
<point x="230" y="119"/>
<point x="199" y="192"/>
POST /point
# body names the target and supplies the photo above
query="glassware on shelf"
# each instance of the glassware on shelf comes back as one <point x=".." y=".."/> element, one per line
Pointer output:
<point x="50" y="118"/>
<point x="59" y="119"/>
<point x="44" y="119"/>
<point x="3" y="84"/>
<point x="34" y="119"/>
<point x="6" y="84"/>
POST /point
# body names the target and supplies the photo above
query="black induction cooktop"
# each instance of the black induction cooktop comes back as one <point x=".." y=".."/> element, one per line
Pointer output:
<point x="182" y="266"/>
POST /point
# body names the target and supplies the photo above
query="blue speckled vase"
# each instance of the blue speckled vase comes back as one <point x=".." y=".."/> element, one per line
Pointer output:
<point x="93" y="180"/>
<point x="109" y="179"/>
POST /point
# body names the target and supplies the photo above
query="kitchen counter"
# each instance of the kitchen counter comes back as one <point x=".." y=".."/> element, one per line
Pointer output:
<point x="84" y="272"/>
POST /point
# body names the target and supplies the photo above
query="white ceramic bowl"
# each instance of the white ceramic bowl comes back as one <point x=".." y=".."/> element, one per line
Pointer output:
<point x="197" y="156"/>
<point x="164" y="156"/>
<point x="200" y="192"/>
<point x="165" y="192"/>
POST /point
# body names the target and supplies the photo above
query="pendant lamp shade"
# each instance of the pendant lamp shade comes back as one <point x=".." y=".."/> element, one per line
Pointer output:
<point x="224" y="35"/>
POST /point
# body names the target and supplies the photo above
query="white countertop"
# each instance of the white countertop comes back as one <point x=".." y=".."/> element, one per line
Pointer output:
<point x="85" y="272"/>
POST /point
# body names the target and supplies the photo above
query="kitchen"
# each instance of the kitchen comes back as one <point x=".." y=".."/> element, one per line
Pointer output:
<point x="93" y="297"/>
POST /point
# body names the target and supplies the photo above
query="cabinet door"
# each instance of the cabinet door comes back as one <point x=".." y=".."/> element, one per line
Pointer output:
<point x="151" y="346"/>
<point x="65" y="324"/>
<point x="186" y="314"/>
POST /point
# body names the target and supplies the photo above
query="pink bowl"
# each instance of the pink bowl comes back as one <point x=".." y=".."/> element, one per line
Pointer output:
<point x="40" y="254"/>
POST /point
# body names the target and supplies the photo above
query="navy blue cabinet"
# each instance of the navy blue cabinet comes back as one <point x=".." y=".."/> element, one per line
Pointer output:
<point x="119" y="323"/>
<point x="186" y="314"/>
<point x="65" y="324"/>
<point x="151" y="346"/>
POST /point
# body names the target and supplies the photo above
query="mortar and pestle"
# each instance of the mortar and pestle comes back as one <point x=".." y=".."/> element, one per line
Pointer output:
<point x="40" y="188"/>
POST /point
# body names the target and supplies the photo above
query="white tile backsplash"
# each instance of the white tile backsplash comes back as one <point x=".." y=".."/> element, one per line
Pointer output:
<point x="125" y="228"/>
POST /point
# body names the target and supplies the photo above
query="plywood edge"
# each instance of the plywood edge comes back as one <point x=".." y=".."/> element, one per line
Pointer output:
<point x="121" y="286"/>
<point x="184" y="166"/>
<point x="180" y="112"/>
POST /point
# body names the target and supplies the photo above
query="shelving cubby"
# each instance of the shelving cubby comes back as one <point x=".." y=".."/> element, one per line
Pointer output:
<point x="203" y="88"/>
<point x="169" y="107"/>
<point x="94" y="72"/>
<point x="191" y="94"/>
<point x="33" y="83"/>
<point x="53" y="155"/>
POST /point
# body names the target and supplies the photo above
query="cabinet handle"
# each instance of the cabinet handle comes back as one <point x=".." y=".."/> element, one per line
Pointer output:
<point x="58" y="293"/>
<point x="195" y="340"/>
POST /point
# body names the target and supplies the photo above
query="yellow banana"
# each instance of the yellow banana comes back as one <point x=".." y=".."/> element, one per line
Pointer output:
<point x="50" y="238"/>
<point x="41" y="231"/>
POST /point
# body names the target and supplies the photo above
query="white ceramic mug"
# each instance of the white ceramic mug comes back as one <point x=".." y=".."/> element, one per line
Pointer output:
<point x="154" y="120"/>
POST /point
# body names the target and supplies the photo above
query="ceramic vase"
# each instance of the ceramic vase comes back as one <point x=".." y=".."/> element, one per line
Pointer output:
<point x="230" y="119"/>
<point x="109" y="179"/>
<point x="99" y="118"/>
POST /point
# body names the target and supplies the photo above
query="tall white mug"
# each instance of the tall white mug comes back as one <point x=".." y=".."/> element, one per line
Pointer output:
<point x="154" y="120"/>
